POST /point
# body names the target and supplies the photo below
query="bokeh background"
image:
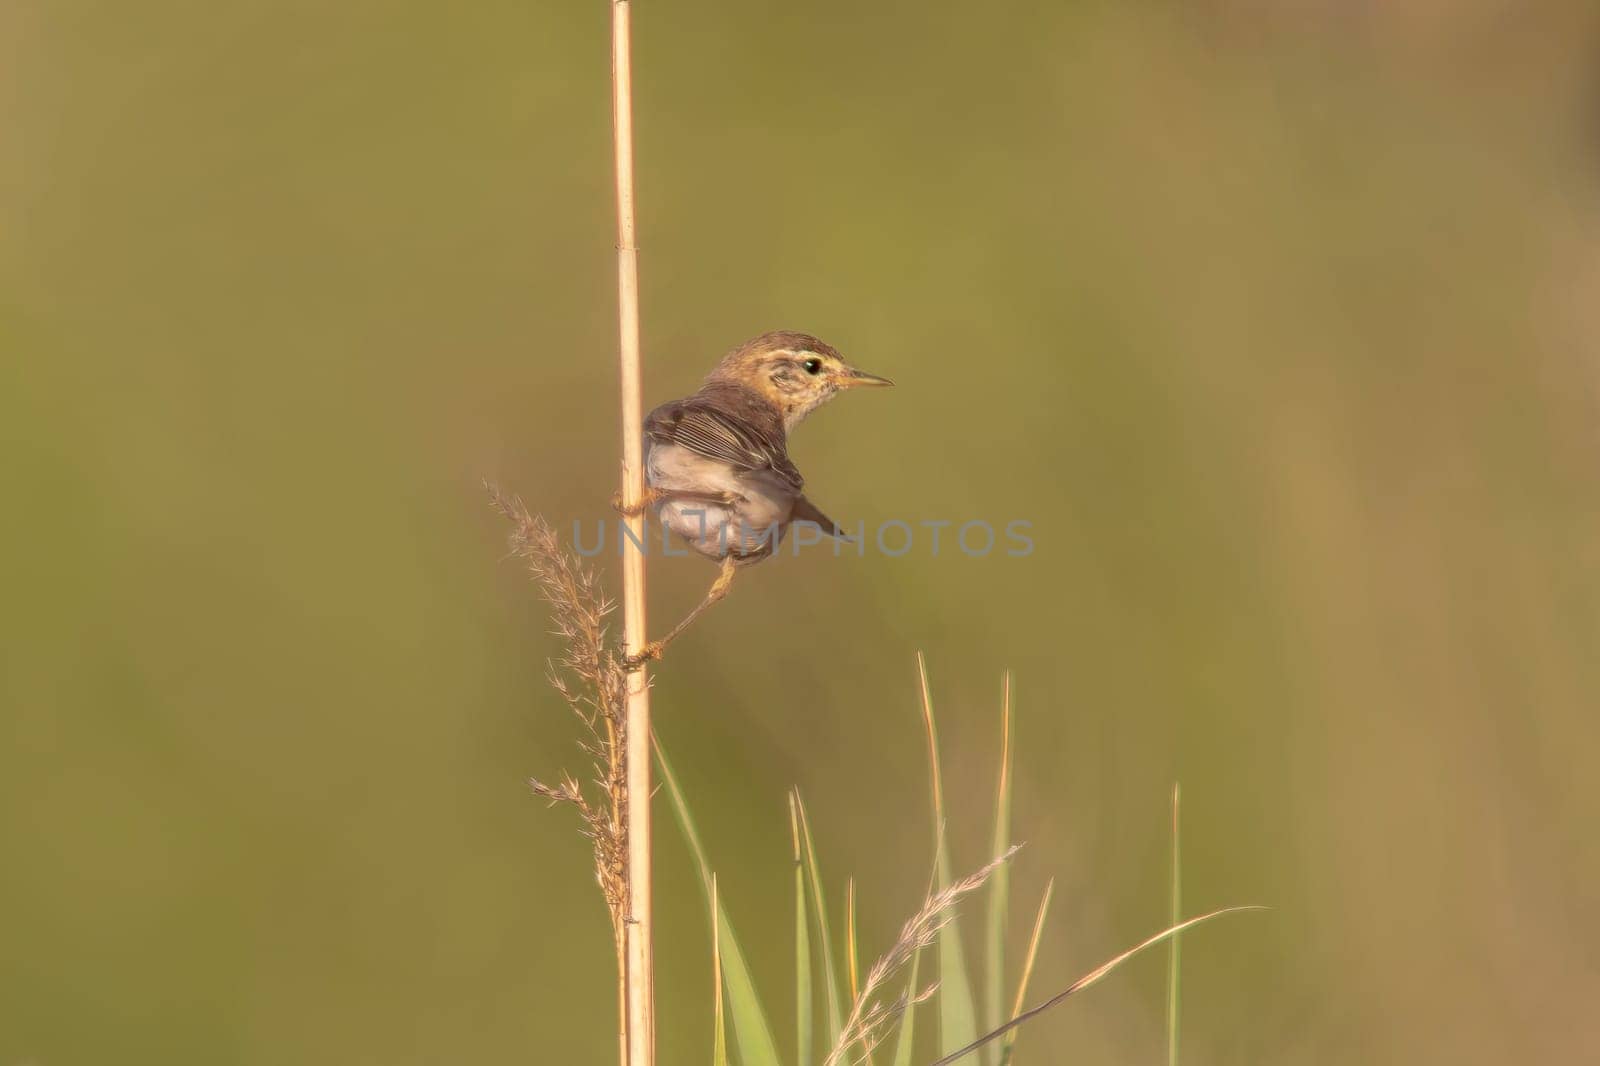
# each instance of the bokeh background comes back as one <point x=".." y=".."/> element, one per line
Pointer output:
<point x="1277" y="321"/>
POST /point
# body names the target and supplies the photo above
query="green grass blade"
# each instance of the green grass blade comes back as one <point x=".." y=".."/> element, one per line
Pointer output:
<point x="805" y="1022"/>
<point x="719" y="1029"/>
<point x="852" y="958"/>
<point x="1173" y="944"/>
<point x="936" y="782"/>
<point x="994" y="974"/>
<point x="1092" y="977"/>
<point x="852" y="951"/>
<point x="958" y="1016"/>
<point x="903" y="1042"/>
<point x="751" y="1031"/>
<point x="819" y="908"/>
<point x="1010" y="1039"/>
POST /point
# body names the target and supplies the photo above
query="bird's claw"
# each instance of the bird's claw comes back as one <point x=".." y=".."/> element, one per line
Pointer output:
<point x="651" y="650"/>
<point x="622" y="508"/>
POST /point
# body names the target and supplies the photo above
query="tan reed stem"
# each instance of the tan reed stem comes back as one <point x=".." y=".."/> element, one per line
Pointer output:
<point x="641" y="964"/>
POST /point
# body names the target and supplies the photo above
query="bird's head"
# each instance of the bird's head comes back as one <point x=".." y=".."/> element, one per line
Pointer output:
<point x="795" y="372"/>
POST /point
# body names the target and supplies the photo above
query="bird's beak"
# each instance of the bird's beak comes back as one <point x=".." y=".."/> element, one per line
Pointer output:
<point x="852" y="378"/>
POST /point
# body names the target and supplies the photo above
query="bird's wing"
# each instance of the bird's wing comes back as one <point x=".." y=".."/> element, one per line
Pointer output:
<point x="716" y="434"/>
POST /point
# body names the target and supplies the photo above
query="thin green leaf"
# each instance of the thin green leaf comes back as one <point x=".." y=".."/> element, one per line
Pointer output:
<point x="1092" y="977"/>
<point x="850" y="938"/>
<point x="1010" y="1039"/>
<point x="958" y="1016"/>
<point x="819" y="908"/>
<point x="852" y="951"/>
<point x="805" y="1023"/>
<point x="903" y="1042"/>
<point x="719" y="1030"/>
<point x="751" y="1031"/>
<point x="1173" y="944"/>
<point x="1000" y="885"/>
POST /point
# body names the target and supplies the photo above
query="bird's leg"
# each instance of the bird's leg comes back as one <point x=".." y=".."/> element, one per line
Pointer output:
<point x="651" y="495"/>
<point x="654" y="496"/>
<point x="654" y="648"/>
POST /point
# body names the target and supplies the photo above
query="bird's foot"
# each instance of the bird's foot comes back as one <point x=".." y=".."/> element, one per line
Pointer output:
<point x="653" y="496"/>
<point x="650" y="496"/>
<point x="651" y="651"/>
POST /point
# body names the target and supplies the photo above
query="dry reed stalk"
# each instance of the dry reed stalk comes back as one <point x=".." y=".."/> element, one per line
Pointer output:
<point x="638" y="928"/>
<point x="870" y="1015"/>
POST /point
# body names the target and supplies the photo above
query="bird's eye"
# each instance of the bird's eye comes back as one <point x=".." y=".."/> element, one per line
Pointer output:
<point x="812" y="365"/>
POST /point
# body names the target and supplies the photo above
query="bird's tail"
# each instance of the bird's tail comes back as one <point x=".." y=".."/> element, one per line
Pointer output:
<point x="806" y="511"/>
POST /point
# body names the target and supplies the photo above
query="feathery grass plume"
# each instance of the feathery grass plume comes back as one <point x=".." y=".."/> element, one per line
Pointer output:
<point x="870" y="1014"/>
<point x="590" y="678"/>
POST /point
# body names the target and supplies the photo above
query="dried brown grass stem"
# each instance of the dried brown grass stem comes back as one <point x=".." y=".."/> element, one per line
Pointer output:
<point x="639" y="928"/>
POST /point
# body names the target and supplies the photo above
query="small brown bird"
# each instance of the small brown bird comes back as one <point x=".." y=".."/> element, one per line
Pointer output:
<point x="717" y="463"/>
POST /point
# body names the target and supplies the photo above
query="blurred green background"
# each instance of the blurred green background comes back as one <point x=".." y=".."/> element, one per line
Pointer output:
<point x="1276" y="320"/>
